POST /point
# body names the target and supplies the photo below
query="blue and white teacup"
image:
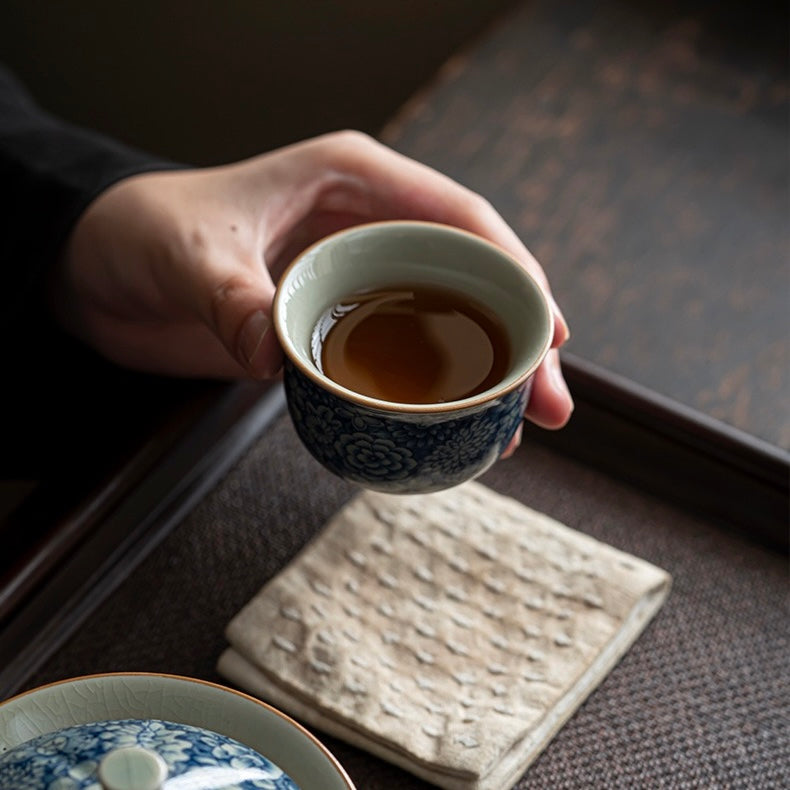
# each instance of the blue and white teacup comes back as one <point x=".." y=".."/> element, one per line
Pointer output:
<point x="407" y="448"/>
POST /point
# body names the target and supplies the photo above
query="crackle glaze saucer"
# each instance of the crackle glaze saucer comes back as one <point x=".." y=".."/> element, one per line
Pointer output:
<point x="98" y="730"/>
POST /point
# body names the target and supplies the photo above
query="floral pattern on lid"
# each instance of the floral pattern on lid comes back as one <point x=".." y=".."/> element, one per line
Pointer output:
<point x="69" y="759"/>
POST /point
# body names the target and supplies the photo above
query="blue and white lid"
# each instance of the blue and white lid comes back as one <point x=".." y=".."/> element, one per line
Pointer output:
<point x="138" y="754"/>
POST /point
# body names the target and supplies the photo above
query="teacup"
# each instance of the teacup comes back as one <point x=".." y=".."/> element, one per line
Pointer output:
<point x="407" y="448"/>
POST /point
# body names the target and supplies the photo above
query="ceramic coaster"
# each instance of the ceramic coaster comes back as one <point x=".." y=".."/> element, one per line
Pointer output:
<point x="451" y="633"/>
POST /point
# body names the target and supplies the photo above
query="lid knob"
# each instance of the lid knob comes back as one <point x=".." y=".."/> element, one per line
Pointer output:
<point x="132" y="768"/>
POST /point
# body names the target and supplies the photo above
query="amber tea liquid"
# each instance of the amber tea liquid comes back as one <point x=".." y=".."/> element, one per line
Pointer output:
<point x="412" y="344"/>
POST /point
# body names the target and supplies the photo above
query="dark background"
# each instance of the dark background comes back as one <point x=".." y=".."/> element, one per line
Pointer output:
<point x="209" y="82"/>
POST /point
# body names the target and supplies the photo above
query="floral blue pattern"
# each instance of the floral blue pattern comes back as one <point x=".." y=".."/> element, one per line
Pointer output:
<point x="400" y="452"/>
<point x="69" y="759"/>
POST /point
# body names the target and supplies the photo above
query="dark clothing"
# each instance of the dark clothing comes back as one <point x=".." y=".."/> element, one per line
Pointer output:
<point x="49" y="172"/>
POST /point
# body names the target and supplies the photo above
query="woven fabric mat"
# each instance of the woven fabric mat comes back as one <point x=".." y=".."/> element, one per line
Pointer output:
<point x="698" y="701"/>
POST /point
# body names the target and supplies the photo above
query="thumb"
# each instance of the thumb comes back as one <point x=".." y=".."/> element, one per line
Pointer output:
<point x="239" y="312"/>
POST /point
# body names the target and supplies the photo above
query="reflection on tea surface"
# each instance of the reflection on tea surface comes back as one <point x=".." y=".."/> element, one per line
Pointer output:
<point x="408" y="344"/>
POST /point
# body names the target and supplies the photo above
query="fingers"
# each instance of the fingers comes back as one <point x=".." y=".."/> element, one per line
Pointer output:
<point x="550" y="404"/>
<point x="373" y="182"/>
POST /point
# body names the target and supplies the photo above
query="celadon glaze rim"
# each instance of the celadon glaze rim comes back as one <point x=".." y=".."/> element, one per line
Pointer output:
<point x="301" y="733"/>
<point x="391" y="407"/>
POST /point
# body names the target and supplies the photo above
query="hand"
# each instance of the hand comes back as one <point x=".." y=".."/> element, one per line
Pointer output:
<point x="173" y="272"/>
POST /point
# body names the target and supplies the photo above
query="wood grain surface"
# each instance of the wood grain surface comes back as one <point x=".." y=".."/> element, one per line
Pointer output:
<point x="641" y="152"/>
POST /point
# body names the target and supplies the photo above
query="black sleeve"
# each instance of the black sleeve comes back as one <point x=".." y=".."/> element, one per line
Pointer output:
<point x="49" y="172"/>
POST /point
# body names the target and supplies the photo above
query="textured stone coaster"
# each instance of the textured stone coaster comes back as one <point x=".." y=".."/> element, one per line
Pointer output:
<point x="452" y="633"/>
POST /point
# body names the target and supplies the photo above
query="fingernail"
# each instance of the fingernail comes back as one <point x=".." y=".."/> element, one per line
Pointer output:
<point x="251" y="336"/>
<point x="517" y="436"/>
<point x="563" y="335"/>
<point x="514" y="443"/>
<point x="558" y="380"/>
